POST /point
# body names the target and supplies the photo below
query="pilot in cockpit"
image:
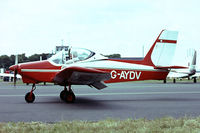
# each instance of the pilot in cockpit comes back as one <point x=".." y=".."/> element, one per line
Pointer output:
<point x="73" y="56"/>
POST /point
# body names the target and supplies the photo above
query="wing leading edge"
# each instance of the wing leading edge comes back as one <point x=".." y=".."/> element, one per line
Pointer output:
<point x="82" y="76"/>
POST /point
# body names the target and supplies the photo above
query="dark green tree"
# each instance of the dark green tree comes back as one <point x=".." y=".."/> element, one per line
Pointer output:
<point x="22" y="58"/>
<point x="5" y="61"/>
<point x="113" y="56"/>
<point x="35" y="57"/>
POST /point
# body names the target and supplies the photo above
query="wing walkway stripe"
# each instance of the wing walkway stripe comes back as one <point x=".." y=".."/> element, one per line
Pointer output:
<point x="40" y="70"/>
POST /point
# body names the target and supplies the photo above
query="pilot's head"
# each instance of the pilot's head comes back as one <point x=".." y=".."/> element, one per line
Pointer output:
<point x="74" y="54"/>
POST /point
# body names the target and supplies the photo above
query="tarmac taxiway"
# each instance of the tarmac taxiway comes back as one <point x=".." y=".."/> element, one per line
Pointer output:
<point x="117" y="101"/>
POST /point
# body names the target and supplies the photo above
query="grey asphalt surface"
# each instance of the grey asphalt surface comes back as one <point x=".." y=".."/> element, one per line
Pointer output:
<point x="117" y="101"/>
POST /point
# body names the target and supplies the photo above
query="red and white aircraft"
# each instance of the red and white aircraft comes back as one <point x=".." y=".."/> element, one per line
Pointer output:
<point x="84" y="67"/>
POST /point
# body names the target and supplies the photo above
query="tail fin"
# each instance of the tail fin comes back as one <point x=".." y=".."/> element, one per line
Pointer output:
<point x="163" y="49"/>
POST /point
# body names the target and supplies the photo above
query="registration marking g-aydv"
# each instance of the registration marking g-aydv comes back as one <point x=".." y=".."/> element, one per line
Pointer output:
<point x="131" y="75"/>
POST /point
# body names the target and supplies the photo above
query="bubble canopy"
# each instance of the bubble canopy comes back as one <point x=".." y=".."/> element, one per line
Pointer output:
<point x="71" y="56"/>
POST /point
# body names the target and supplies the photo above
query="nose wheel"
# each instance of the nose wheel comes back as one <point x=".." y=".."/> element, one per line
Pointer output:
<point x="67" y="95"/>
<point x="30" y="97"/>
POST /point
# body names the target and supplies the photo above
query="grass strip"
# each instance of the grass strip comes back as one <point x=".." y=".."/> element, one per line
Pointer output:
<point x="160" y="125"/>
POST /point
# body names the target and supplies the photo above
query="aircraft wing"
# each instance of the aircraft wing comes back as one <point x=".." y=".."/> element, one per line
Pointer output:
<point x="82" y="76"/>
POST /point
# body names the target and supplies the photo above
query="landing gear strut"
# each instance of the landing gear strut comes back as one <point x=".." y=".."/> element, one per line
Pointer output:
<point x="195" y="80"/>
<point x="174" y="80"/>
<point x="67" y="95"/>
<point x="30" y="97"/>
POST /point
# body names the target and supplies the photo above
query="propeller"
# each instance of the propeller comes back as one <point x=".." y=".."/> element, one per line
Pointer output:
<point x="15" y="76"/>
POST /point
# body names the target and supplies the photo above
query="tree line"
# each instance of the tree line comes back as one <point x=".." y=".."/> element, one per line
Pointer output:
<point x="6" y="61"/>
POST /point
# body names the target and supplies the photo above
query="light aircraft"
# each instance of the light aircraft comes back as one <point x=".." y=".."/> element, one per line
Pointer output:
<point x="10" y="76"/>
<point x="79" y="66"/>
<point x="185" y="73"/>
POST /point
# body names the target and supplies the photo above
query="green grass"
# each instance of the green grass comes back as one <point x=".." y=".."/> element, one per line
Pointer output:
<point x="161" y="125"/>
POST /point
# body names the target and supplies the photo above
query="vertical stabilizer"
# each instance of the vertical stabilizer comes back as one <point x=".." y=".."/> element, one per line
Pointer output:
<point x="163" y="49"/>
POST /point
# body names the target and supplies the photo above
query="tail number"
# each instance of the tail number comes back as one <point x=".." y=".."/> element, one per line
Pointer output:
<point x="125" y="75"/>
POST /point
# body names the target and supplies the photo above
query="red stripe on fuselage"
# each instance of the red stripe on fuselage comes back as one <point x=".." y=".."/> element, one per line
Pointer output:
<point x="36" y="77"/>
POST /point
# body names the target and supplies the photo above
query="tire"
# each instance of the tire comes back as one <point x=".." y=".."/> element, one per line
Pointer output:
<point x="62" y="95"/>
<point x="69" y="97"/>
<point x="30" y="97"/>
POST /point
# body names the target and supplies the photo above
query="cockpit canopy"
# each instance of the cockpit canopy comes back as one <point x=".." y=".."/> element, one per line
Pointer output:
<point x="71" y="56"/>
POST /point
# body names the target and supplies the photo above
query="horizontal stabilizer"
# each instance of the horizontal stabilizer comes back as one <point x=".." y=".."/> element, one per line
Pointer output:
<point x="171" y="67"/>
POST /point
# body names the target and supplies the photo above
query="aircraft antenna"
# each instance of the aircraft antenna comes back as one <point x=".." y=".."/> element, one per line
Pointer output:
<point x="16" y="59"/>
<point x="62" y="42"/>
<point x="143" y="51"/>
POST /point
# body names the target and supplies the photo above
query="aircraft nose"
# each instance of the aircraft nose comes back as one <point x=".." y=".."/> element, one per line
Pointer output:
<point x="13" y="67"/>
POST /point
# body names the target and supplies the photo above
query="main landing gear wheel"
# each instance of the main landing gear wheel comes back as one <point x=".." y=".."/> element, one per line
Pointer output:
<point x="30" y="97"/>
<point x="62" y="94"/>
<point x="67" y="95"/>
